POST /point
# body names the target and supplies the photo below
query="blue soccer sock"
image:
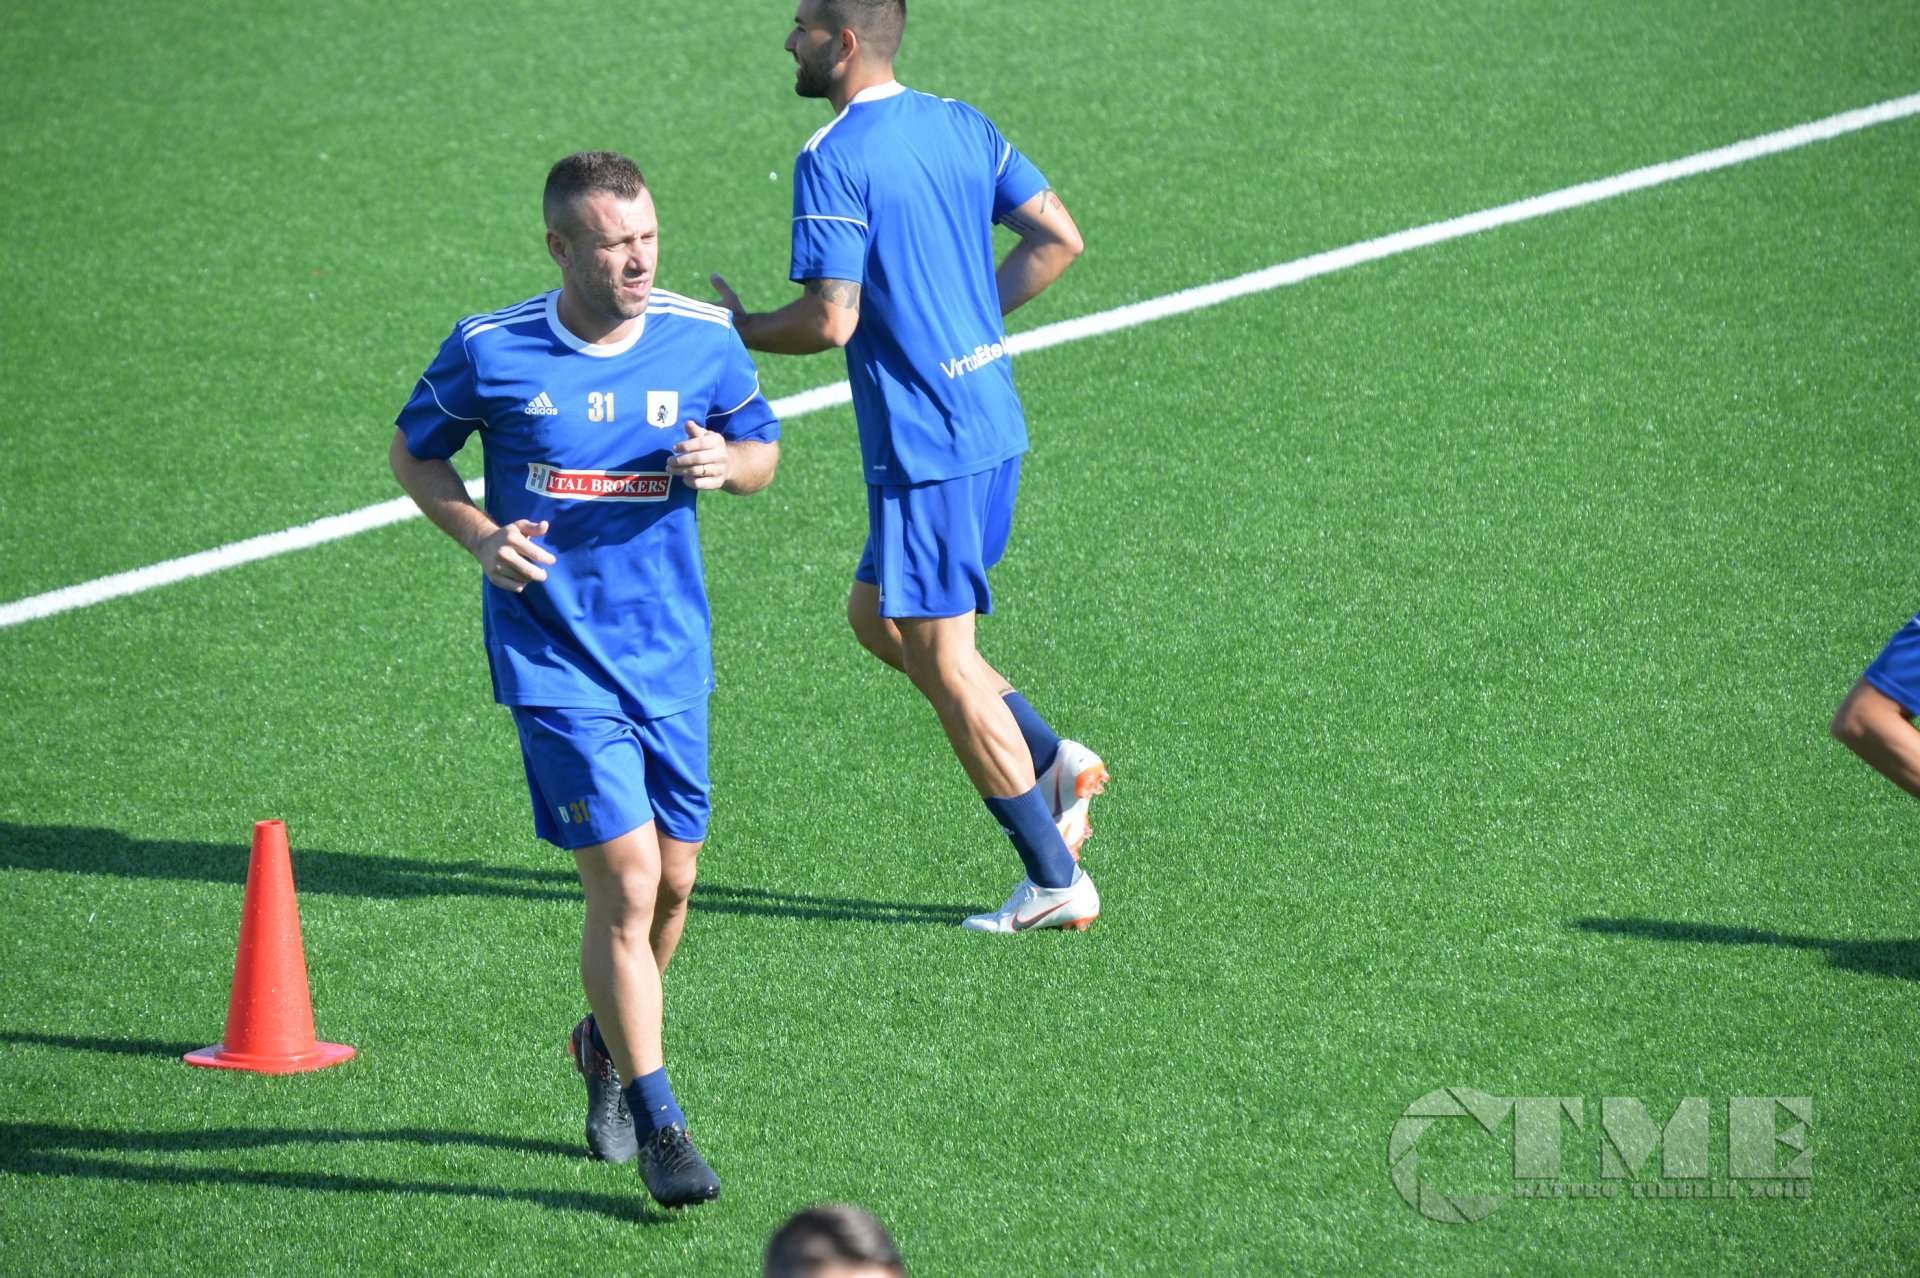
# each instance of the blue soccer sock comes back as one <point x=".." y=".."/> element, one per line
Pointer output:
<point x="1035" y="837"/>
<point x="1042" y="742"/>
<point x="651" y="1103"/>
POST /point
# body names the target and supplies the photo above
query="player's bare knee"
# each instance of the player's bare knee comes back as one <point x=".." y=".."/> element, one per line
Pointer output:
<point x="676" y="882"/>
<point x="868" y="630"/>
<point x="1844" y="728"/>
<point x="626" y="908"/>
<point x="924" y="667"/>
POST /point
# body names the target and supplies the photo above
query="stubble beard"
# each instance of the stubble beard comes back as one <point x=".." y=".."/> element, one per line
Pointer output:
<point x="604" y="295"/>
<point x="810" y="81"/>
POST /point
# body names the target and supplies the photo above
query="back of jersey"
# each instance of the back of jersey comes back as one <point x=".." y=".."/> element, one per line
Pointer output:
<point x="900" y="193"/>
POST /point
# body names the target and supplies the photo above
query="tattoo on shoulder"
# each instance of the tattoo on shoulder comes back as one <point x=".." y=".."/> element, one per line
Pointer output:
<point x="841" y="293"/>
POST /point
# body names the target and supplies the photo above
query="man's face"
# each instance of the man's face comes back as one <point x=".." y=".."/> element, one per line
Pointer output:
<point x="607" y="250"/>
<point x="815" y="49"/>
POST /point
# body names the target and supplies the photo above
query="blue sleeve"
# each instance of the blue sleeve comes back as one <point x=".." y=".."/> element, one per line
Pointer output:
<point x="829" y="222"/>
<point x="1015" y="179"/>
<point x="746" y="415"/>
<point x="445" y="407"/>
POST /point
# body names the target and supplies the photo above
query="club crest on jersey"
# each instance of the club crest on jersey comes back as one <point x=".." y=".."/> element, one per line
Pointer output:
<point x="598" y="485"/>
<point x="663" y="408"/>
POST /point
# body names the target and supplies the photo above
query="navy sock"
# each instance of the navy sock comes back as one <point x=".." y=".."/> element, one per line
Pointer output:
<point x="593" y="1032"/>
<point x="651" y="1103"/>
<point x="1042" y="742"/>
<point x="1035" y="837"/>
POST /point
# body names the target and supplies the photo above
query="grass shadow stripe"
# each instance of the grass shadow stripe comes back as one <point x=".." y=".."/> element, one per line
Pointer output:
<point x="1894" y="958"/>
<point x="94" y="850"/>
<point x="35" y="1149"/>
<point x="720" y="899"/>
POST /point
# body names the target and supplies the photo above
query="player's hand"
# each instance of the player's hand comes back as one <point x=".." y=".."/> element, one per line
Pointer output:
<point x="728" y="298"/>
<point x="701" y="459"/>
<point x="509" y="557"/>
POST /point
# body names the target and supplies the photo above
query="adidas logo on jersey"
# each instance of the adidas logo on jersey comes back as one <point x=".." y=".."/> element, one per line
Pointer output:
<point x="541" y="406"/>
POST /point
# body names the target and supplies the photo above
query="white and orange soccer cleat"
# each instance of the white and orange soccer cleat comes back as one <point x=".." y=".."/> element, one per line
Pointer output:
<point x="1032" y="907"/>
<point x="1068" y="785"/>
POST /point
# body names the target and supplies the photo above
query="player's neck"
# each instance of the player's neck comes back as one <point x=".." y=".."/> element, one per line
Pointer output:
<point x="589" y="326"/>
<point x="860" y="77"/>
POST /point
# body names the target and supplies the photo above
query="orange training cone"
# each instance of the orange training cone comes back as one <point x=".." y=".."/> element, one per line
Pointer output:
<point x="270" y="1016"/>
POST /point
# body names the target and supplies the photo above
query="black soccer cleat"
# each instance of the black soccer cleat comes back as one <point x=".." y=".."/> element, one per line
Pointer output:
<point x="610" y="1134"/>
<point x="673" y="1170"/>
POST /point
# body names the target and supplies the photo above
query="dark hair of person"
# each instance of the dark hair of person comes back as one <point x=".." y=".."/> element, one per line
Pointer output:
<point x="587" y="173"/>
<point x="878" y="23"/>
<point x="836" y="1235"/>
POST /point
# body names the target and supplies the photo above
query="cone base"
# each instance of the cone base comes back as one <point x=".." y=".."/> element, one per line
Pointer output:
<point x="319" y="1056"/>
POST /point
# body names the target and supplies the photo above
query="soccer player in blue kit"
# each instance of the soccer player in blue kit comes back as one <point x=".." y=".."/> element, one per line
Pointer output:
<point x="603" y="407"/>
<point x="1875" y="720"/>
<point x="894" y="204"/>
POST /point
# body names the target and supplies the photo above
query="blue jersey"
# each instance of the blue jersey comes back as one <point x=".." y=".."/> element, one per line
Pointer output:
<point x="899" y="193"/>
<point x="579" y="435"/>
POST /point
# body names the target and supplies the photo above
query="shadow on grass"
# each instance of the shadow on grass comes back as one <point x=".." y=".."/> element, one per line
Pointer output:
<point x="42" y="1149"/>
<point x="1899" y="959"/>
<point x="90" y="850"/>
<point x="719" y="899"/>
<point x="118" y="1046"/>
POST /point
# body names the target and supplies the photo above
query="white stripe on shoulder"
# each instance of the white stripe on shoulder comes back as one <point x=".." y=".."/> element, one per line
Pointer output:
<point x="443" y="408"/>
<point x="691" y="303"/>
<point x="512" y="315"/>
<point x="742" y="404"/>
<point x="820" y="135"/>
<point x="723" y="319"/>
<point x="506" y="312"/>
<point x="1004" y="157"/>
<point x="828" y="217"/>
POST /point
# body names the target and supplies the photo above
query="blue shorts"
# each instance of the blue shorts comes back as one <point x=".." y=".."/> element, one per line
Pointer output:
<point x="1896" y="671"/>
<point x="594" y="775"/>
<point x="929" y="545"/>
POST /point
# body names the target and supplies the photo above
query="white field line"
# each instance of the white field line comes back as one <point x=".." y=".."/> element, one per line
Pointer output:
<point x="335" y="527"/>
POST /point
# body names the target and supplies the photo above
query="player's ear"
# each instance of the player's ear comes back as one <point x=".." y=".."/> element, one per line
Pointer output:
<point x="557" y="248"/>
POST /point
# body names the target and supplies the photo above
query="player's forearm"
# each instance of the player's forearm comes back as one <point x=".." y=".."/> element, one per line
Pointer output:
<point x="750" y="466"/>
<point x="1028" y="268"/>
<point x="820" y="319"/>
<point x="436" y="489"/>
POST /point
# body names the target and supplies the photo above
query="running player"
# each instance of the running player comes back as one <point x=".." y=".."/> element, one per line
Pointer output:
<point x="603" y="407"/>
<point x="894" y="204"/>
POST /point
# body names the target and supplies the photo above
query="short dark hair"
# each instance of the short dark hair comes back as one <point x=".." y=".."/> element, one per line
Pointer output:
<point x="586" y="173"/>
<point x="878" y="23"/>
<point x="832" y="1235"/>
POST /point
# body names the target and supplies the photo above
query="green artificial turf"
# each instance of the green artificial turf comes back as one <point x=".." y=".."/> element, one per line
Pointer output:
<point x="1461" y="630"/>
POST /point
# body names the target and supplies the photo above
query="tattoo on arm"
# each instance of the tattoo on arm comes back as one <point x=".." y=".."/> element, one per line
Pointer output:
<point x="1022" y="225"/>
<point x="842" y="293"/>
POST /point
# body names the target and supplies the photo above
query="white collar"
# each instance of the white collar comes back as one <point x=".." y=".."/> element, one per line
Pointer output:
<point x="874" y="93"/>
